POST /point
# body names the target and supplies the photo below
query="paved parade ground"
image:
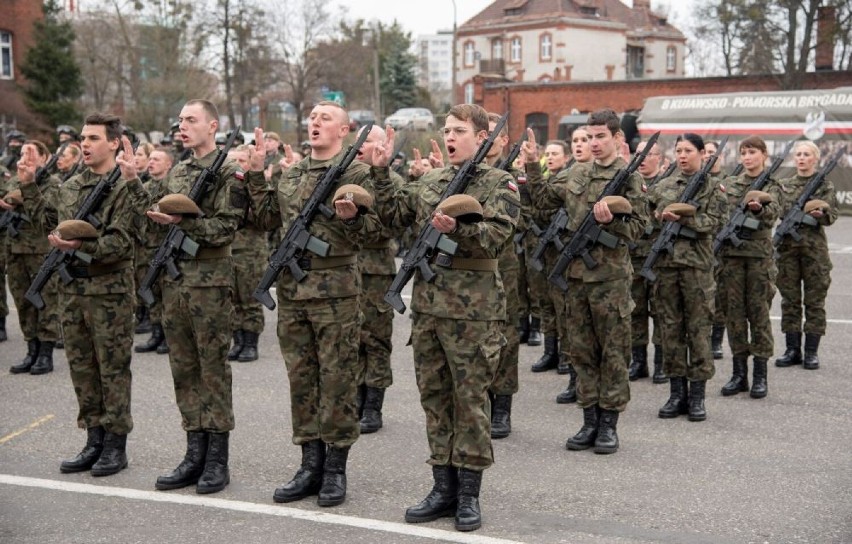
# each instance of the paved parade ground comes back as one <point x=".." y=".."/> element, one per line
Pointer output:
<point x="772" y="470"/>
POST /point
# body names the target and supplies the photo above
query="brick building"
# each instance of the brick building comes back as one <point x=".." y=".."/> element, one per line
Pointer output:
<point x="16" y="37"/>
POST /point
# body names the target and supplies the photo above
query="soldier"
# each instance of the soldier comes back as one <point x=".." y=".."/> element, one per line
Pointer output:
<point x="598" y="308"/>
<point x="458" y="317"/>
<point x="249" y="260"/>
<point x="273" y="154"/>
<point x="97" y="317"/>
<point x="27" y="248"/>
<point x="748" y="275"/>
<point x="14" y="141"/>
<point x="197" y="306"/>
<point x="684" y="291"/>
<point x="804" y="266"/>
<point x="717" y="332"/>
<point x="318" y="318"/>
<point x="159" y="164"/>
<point x="68" y="161"/>
<point x="66" y="133"/>
<point x="140" y="158"/>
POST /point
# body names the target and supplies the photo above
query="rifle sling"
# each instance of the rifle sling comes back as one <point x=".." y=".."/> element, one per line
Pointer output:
<point x="378" y="245"/>
<point x="322" y="263"/>
<point x="94" y="270"/>
<point x="458" y="263"/>
<point x="206" y="253"/>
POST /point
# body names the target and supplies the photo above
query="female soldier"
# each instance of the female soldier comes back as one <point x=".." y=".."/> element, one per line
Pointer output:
<point x="143" y="154"/>
<point x="684" y="290"/>
<point x="805" y="265"/>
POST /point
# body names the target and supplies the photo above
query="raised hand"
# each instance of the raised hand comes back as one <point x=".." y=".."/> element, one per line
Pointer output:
<point x="289" y="159"/>
<point x="529" y="149"/>
<point x="436" y="157"/>
<point x="383" y="153"/>
<point x="126" y="160"/>
<point x="27" y="165"/>
<point x="257" y="152"/>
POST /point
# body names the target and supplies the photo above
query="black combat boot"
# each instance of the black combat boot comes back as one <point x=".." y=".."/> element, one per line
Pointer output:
<point x="716" y="335"/>
<point x="759" y="388"/>
<point x="113" y="458"/>
<point x="659" y="375"/>
<point x="157" y="337"/>
<point x="468" y="515"/>
<point x="607" y="439"/>
<point x="239" y="340"/>
<point x="44" y="361"/>
<point x="811" y="361"/>
<point x="215" y="475"/>
<point x="333" y="489"/>
<point x="677" y="404"/>
<point x="163" y="348"/>
<point x="89" y="455"/>
<point x="249" y="351"/>
<point x="585" y="437"/>
<point x="793" y="355"/>
<point x="143" y="320"/>
<point x="501" y="416"/>
<point x="371" y="418"/>
<point x="696" y="401"/>
<point x="550" y="359"/>
<point x="739" y="379"/>
<point x="570" y="394"/>
<point x="524" y="329"/>
<point x="564" y="367"/>
<point x="190" y="468"/>
<point x="535" y="332"/>
<point x="308" y="478"/>
<point x="3" y="336"/>
<point x="29" y="359"/>
<point x="442" y="501"/>
<point x="639" y="363"/>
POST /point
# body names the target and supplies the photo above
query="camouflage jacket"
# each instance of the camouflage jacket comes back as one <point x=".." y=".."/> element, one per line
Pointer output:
<point x="789" y="190"/>
<point x="542" y="189"/>
<point x="114" y="246"/>
<point x="759" y="243"/>
<point x="577" y="189"/>
<point x="640" y="248"/>
<point x="378" y="257"/>
<point x="39" y="210"/>
<point x="147" y="234"/>
<point x="282" y="204"/>
<point x="508" y="259"/>
<point x="457" y="293"/>
<point x="709" y="216"/>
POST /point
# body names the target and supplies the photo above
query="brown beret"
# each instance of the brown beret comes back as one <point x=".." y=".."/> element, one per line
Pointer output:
<point x="178" y="204"/>
<point x="618" y="204"/>
<point x="14" y="197"/>
<point x="463" y="208"/>
<point x="760" y="196"/>
<point x="357" y="194"/>
<point x="75" y="229"/>
<point x="681" y="208"/>
<point x="816" y="204"/>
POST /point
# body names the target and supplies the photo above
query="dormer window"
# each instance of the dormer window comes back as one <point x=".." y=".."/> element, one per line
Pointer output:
<point x="514" y="7"/>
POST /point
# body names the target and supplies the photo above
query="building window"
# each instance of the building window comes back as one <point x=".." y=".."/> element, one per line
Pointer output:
<point x="515" y="50"/>
<point x="671" y="58"/>
<point x="469" y="54"/>
<point x="539" y="124"/>
<point x="545" y="47"/>
<point x="7" y="71"/>
<point x="468" y="93"/>
<point x="635" y="62"/>
<point x="497" y="49"/>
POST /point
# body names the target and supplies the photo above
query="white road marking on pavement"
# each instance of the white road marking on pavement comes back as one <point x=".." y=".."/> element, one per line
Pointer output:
<point x="837" y="321"/>
<point x="29" y="427"/>
<point x="253" y="508"/>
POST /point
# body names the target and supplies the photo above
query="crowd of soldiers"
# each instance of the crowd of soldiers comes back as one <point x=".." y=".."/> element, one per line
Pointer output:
<point x="484" y="287"/>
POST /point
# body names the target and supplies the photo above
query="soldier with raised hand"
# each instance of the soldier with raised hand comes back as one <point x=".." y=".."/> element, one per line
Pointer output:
<point x="459" y="316"/>
<point x="597" y="312"/>
<point x="197" y="306"/>
<point x="717" y="332"/>
<point x="98" y="304"/>
<point x="318" y="317"/>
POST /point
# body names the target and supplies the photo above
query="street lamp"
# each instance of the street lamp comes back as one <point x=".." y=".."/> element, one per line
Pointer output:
<point x="453" y="84"/>
<point x="371" y="35"/>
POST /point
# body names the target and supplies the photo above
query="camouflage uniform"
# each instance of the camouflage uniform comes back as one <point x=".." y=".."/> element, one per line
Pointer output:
<point x="97" y="316"/>
<point x="528" y="303"/>
<point x="458" y="317"/>
<point x="149" y="235"/>
<point x="597" y="312"/>
<point x="197" y="306"/>
<point x="805" y="266"/>
<point x="5" y="177"/>
<point x="249" y="251"/>
<point x="318" y="318"/>
<point x="684" y="292"/>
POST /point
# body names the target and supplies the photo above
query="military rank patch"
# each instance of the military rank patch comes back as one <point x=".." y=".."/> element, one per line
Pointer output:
<point x="522" y="179"/>
<point x="239" y="198"/>
<point x="240" y="175"/>
<point x="511" y="206"/>
<point x="512" y="187"/>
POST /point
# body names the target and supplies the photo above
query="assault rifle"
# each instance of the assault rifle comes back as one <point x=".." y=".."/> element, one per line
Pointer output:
<point x="11" y="219"/>
<point x="430" y="239"/>
<point x="298" y="237"/>
<point x="664" y="174"/>
<point x="737" y="170"/>
<point x="588" y="234"/>
<point x="506" y="164"/>
<point x="672" y="229"/>
<point x="550" y="235"/>
<point x="796" y="216"/>
<point x="177" y="243"/>
<point x="397" y="154"/>
<point x="740" y="220"/>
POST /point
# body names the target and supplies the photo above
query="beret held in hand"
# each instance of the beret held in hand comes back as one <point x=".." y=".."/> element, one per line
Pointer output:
<point x="355" y="193"/>
<point x="178" y="204"/>
<point x="618" y="205"/>
<point x="75" y="229"/>
<point x="760" y="196"/>
<point x="462" y="208"/>
<point x="681" y="208"/>
<point x="816" y="204"/>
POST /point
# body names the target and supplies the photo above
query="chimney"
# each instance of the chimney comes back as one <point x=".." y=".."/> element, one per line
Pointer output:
<point x="646" y="4"/>
<point x="826" y="30"/>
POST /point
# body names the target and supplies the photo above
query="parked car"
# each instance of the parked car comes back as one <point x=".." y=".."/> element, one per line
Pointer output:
<point x="416" y="118"/>
<point x="359" y="118"/>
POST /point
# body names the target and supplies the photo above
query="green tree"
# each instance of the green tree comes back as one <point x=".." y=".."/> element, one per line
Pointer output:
<point x="398" y="84"/>
<point x="53" y="77"/>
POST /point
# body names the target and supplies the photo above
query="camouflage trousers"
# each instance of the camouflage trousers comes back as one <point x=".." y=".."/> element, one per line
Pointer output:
<point x="454" y="363"/>
<point x="249" y="267"/>
<point x="643" y="312"/>
<point x="684" y="299"/>
<point x="98" y="337"/>
<point x="719" y="317"/>
<point x="803" y="270"/>
<point x="376" y="331"/>
<point x="598" y="321"/>
<point x="4" y="307"/>
<point x="536" y="283"/>
<point x="35" y="324"/>
<point x="749" y="285"/>
<point x="197" y="323"/>
<point x="506" y="375"/>
<point x="319" y="342"/>
<point x="155" y="310"/>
